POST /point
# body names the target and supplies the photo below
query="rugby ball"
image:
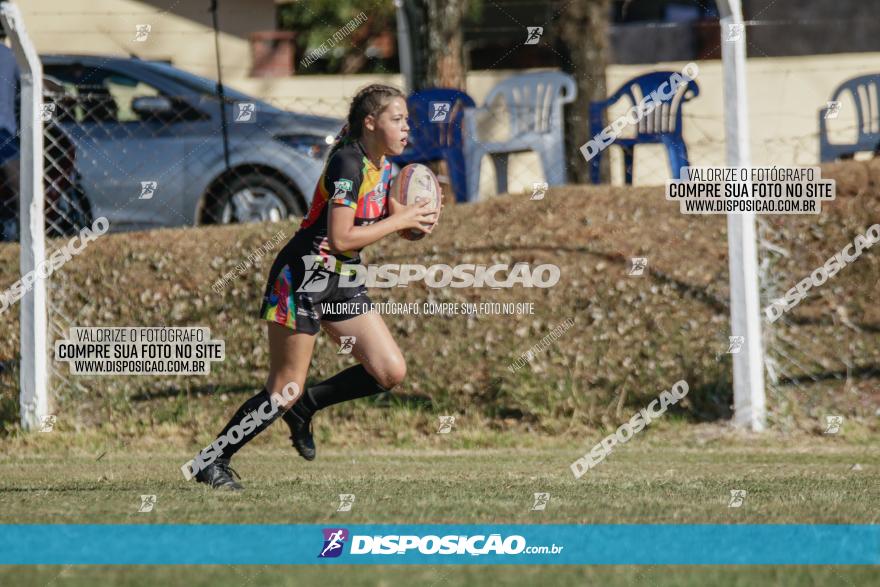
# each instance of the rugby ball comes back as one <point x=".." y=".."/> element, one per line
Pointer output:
<point x="415" y="183"/>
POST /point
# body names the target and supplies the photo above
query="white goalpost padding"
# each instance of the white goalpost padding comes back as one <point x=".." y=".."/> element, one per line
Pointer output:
<point x="745" y="305"/>
<point x="34" y="378"/>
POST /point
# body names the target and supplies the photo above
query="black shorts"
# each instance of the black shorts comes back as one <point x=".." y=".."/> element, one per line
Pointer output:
<point x="300" y="298"/>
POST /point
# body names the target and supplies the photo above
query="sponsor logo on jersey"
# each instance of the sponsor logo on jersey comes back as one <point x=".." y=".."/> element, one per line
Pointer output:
<point x="341" y="188"/>
<point x="378" y="194"/>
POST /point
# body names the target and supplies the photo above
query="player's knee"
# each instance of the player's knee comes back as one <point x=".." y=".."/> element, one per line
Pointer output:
<point x="283" y="387"/>
<point x="392" y="373"/>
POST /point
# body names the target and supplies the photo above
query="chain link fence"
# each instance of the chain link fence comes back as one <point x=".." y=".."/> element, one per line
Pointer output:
<point x="160" y="160"/>
<point x="821" y="355"/>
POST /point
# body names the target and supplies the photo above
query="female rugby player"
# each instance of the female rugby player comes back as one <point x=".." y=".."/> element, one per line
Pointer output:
<point x="350" y="210"/>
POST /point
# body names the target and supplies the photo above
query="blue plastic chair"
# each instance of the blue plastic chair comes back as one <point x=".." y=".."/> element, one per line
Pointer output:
<point x="662" y="125"/>
<point x="867" y="119"/>
<point x="437" y="135"/>
<point x="534" y="107"/>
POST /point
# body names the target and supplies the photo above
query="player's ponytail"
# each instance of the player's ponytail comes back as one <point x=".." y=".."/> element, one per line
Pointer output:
<point x="371" y="100"/>
<point x="341" y="139"/>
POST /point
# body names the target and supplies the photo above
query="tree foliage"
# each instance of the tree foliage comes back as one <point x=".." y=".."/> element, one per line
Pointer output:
<point x="315" y="21"/>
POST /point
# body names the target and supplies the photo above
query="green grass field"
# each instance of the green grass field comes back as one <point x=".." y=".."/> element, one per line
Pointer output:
<point x="661" y="478"/>
<point x="673" y="475"/>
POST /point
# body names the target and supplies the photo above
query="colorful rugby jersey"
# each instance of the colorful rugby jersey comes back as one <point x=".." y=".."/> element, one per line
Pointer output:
<point x="349" y="179"/>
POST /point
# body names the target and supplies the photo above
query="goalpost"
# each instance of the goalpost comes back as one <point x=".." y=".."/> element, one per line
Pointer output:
<point x="745" y="304"/>
<point x="34" y="402"/>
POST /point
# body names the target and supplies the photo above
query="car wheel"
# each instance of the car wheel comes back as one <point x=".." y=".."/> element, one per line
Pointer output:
<point x="255" y="198"/>
<point x="69" y="214"/>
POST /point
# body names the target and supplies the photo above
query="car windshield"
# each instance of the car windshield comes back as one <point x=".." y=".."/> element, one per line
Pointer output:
<point x="204" y="85"/>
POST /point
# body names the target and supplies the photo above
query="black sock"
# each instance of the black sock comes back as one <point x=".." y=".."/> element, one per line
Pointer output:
<point x="260" y="405"/>
<point x="352" y="383"/>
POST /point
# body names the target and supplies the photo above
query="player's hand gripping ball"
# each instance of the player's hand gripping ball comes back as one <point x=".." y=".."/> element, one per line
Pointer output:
<point x="416" y="183"/>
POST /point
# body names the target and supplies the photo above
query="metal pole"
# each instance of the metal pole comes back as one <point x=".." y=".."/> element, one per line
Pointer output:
<point x="34" y="396"/>
<point x="404" y="47"/>
<point x="220" y="93"/>
<point x="745" y="310"/>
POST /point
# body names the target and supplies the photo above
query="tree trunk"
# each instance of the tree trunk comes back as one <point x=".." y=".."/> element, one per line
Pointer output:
<point x="584" y="33"/>
<point x="437" y="39"/>
<point x="444" y="67"/>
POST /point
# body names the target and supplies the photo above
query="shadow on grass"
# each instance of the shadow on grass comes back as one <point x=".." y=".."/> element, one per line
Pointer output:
<point x="709" y="402"/>
<point x="197" y="391"/>
<point x="694" y="291"/>
<point x="864" y="372"/>
<point x="380" y="400"/>
<point x="9" y="415"/>
<point x="9" y="391"/>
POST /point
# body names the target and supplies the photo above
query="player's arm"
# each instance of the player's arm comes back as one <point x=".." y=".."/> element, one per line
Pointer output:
<point x="343" y="183"/>
<point x="343" y="235"/>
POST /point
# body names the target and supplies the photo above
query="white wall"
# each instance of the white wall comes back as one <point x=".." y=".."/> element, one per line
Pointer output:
<point x="183" y="34"/>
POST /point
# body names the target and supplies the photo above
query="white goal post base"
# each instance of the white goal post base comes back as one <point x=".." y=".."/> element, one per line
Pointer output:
<point x="749" y="401"/>
<point x="34" y="378"/>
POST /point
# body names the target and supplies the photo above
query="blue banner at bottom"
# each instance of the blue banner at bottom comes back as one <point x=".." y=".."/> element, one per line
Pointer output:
<point x="530" y="544"/>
